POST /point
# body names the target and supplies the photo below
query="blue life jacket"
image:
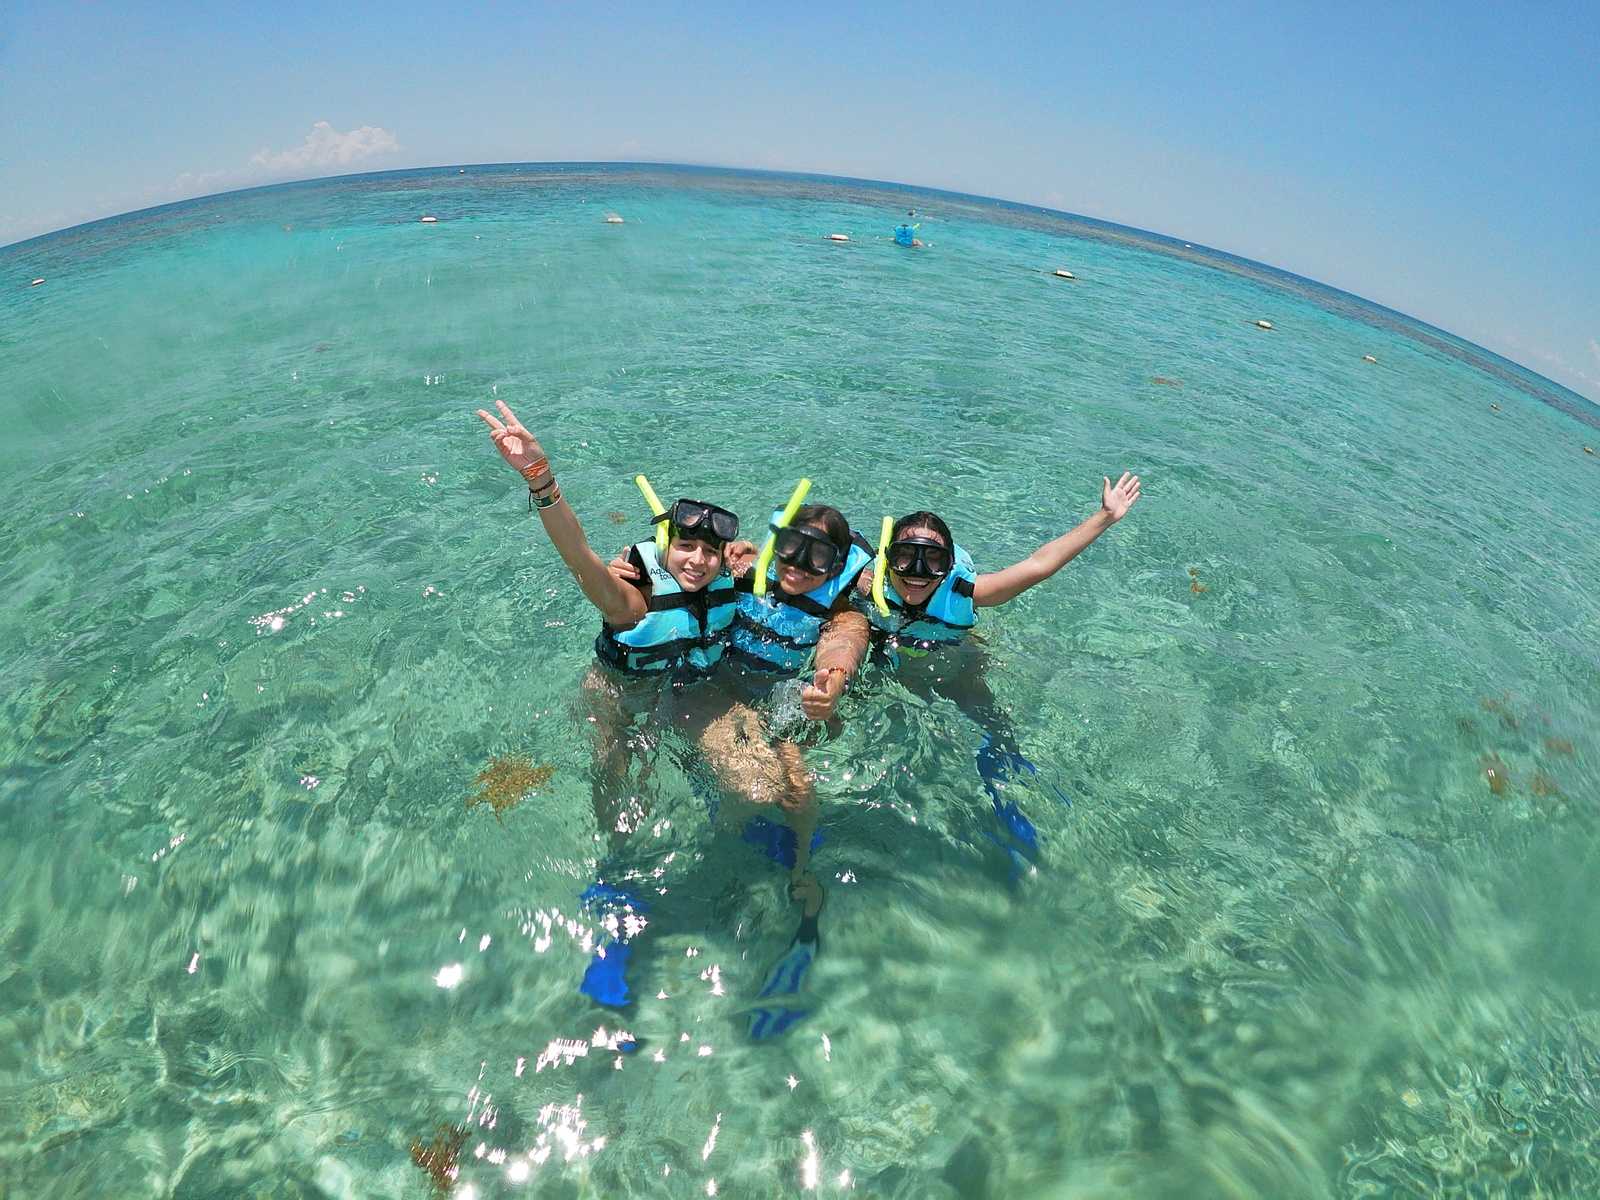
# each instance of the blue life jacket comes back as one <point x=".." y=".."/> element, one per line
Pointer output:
<point x="778" y="632"/>
<point x="903" y="235"/>
<point x="942" y="621"/>
<point x="681" y="631"/>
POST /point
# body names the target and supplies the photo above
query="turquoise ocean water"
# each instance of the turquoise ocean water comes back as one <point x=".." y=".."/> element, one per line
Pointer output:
<point x="1319" y="919"/>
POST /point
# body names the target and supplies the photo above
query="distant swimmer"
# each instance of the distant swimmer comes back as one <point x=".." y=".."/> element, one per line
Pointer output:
<point x="1588" y="449"/>
<point x="905" y="234"/>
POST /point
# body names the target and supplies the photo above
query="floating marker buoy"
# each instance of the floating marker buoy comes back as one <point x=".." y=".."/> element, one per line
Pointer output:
<point x="1063" y="273"/>
<point x="430" y="220"/>
<point x="1368" y="358"/>
<point x="613" y="219"/>
<point x="1263" y="324"/>
<point x="838" y="237"/>
<point x="37" y="282"/>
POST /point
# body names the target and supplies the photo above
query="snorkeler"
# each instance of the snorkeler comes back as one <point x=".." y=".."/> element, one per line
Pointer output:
<point x="905" y="233"/>
<point x="795" y="616"/>
<point x="669" y="624"/>
<point x="794" y="604"/>
<point x="801" y="622"/>
<point x="924" y="596"/>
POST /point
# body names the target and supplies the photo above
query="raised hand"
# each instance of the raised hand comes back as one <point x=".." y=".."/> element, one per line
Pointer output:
<point x="740" y="557"/>
<point x="623" y="569"/>
<point x="820" y="697"/>
<point x="516" y="445"/>
<point x="1117" y="499"/>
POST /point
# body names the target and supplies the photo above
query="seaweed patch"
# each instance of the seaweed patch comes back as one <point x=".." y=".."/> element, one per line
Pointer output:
<point x="506" y="780"/>
<point x="438" y="1158"/>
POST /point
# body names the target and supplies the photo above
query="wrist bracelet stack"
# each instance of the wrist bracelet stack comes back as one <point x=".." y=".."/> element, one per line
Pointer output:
<point x="542" y="489"/>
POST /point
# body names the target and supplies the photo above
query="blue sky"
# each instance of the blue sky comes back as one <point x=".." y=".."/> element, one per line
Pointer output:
<point x="1441" y="159"/>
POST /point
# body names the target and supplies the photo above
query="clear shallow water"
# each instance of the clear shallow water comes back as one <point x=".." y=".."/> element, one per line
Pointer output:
<point x="1287" y="940"/>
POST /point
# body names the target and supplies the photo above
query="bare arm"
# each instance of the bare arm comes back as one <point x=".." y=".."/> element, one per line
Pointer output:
<point x="996" y="587"/>
<point x="840" y="648"/>
<point x="620" y="603"/>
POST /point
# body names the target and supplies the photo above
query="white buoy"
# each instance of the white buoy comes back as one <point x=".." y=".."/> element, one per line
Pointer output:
<point x="1063" y="273"/>
<point x="1263" y="324"/>
<point x="1368" y="358"/>
<point x="613" y="219"/>
<point x="37" y="282"/>
<point x="430" y="220"/>
<point x="838" y="237"/>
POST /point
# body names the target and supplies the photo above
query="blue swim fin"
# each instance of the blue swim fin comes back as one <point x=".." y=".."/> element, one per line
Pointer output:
<point x="768" y="1023"/>
<point x="785" y="979"/>
<point x="789" y="973"/>
<point x="996" y="768"/>
<point x="774" y="839"/>
<point x="605" y="979"/>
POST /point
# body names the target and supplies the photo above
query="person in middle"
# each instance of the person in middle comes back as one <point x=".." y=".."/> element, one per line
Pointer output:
<point x="801" y="622"/>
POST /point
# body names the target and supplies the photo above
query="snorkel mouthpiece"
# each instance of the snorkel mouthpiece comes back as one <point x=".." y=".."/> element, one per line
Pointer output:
<point x="657" y="509"/>
<point x="789" y="510"/>
<point x="881" y="567"/>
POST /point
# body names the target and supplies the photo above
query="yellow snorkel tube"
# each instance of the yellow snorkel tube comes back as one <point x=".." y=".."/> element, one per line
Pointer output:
<point x="767" y="551"/>
<point x="880" y="568"/>
<point x="657" y="509"/>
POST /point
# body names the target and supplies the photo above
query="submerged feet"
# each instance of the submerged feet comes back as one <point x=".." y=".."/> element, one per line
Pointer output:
<point x="788" y="974"/>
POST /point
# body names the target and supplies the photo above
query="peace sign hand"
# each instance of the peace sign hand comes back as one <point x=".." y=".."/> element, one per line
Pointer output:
<point x="516" y="445"/>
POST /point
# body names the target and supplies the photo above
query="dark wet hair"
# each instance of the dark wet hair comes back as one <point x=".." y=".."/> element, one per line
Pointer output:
<point x="923" y="520"/>
<point x="828" y="520"/>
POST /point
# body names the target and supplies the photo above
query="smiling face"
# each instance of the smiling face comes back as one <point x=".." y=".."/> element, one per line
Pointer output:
<point x="797" y="581"/>
<point x="693" y="563"/>
<point x="916" y="591"/>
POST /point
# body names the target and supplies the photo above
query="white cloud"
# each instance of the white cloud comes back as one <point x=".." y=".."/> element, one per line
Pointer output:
<point x="325" y="146"/>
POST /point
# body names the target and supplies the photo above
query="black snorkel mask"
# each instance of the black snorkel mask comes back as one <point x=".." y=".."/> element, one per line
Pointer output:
<point x="700" y="521"/>
<point x="920" y="558"/>
<point x="805" y="549"/>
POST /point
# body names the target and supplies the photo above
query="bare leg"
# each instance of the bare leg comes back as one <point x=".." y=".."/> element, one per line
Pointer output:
<point x="999" y="758"/>
<point x="761" y="774"/>
<point x="963" y="684"/>
<point x="619" y="807"/>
